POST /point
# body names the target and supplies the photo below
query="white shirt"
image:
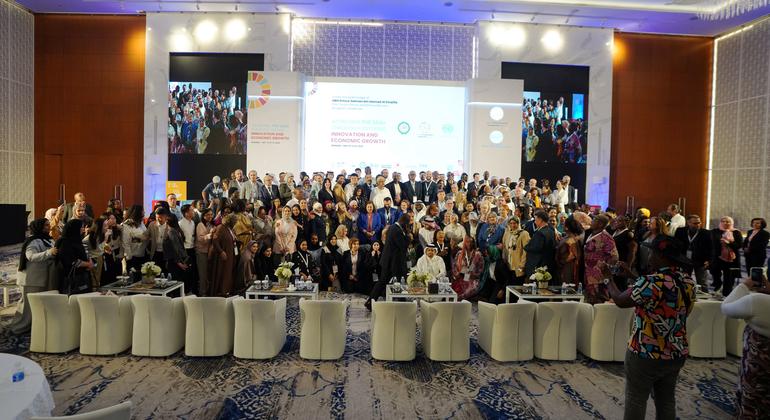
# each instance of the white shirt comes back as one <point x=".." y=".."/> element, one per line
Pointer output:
<point x="435" y="266"/>
<point x="676" y="222"/>
<point x="378" y="197"/>
<point x="188" y="228"/>
<point x="753" y="307"/>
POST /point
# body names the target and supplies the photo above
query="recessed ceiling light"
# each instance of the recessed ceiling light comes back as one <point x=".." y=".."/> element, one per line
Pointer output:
<point x="448" y="4"/>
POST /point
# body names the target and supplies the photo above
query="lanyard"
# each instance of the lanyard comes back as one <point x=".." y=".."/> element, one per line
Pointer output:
<point x="305" y="260"/>
<point x="616" y="234"/>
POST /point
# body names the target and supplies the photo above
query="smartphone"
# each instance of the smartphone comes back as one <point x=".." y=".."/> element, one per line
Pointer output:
<point x="758" y="276"/>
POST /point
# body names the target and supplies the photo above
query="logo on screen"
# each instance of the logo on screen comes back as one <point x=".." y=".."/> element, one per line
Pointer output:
<point x="264" y="87"/>
<point x="404" y="127"/>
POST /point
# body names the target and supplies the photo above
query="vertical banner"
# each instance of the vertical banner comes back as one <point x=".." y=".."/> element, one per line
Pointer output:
<point x="494" y="126"/>
<point x="178" y="188"/>
<point x="275" y="102"/>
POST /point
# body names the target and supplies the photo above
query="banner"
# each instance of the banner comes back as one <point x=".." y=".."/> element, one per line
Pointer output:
<point x="275" y="106"/>
<point x="178" y="188"/>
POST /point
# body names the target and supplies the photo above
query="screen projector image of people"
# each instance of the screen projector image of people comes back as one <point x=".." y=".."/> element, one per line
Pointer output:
<point x="400" y="127"/>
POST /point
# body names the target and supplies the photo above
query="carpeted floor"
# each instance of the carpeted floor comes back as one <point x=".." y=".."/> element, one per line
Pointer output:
<point x="357" y="387"/>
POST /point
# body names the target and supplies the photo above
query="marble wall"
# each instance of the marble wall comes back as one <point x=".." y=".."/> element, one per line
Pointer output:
<point x="269" y="34"/>
<point x="16" y="105"/>
<point x="383" y="50"/>
<point x="580" y="46"/>
<point x="740" y="164"/>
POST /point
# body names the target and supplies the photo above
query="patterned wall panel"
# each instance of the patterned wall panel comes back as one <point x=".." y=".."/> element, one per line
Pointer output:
<point x="16" y="105"/>
<point x="741" y="149"/>
<point x="390" y="50"/>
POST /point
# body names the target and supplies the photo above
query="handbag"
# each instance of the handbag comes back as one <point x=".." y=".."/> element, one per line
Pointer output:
<point x="76" y="281"/>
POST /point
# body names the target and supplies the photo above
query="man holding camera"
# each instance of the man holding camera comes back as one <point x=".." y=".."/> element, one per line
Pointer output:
<point x="658" y="346"/>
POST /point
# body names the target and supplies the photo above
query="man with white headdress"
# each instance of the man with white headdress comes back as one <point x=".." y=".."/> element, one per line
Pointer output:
<point x="431" y="264"/>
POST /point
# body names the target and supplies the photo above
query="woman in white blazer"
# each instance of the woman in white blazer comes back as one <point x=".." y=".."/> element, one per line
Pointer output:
<point x="37" y="271"/>
<point x="134" y="238"/>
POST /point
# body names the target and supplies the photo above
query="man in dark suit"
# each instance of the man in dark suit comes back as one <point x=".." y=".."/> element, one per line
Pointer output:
<point x="269" y="192"/>
<point x="411" y="188"/>
<point x="396" y="190"/>
<point x="393" y="259"/>
<point x="80" y="199"/>
<point x="697" y="242"/>
<point x="571" y="191"/>
<point x="428" y="190"/>
<point x="541" y="249"/>
<point x="388" y="214"/>
<point x="474" y="185"/>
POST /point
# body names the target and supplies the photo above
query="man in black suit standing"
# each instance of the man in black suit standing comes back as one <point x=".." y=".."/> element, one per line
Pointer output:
<point x="411" y="188"/>
<point x="474" y="185"/>
<point x="697" y="242"/>
<point x="541" y="249"/>
<point x="269" y="192"/>
<point x="428" y="189"/>
<point x="393" y="259"/>
<point x="395" y="188"/>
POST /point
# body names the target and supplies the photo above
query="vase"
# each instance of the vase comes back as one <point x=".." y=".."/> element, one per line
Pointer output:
<point x="283" y="281"/>
<point x="542" y="284"/>
<point x="148" y="279"/>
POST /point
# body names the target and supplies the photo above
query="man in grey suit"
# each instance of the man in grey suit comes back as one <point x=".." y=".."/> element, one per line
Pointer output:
<point x="541" y="249"/>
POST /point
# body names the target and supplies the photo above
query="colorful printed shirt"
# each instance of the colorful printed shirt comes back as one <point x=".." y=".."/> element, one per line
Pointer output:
<point x="663" y="301"/>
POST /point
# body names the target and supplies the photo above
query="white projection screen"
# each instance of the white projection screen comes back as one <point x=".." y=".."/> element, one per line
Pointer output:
<point x="401" y="125"/>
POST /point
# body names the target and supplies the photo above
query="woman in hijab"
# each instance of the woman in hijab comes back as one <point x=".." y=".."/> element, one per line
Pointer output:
<point x="246" y="266"/>
<point x="300" y="219"/>
<point x="263" y="263"/>
<point x="285" y="235"/>
<point x="37" y="271"/>
<point x="725" y="258"/>
<point x="331" y="265"/>
<point x="303" y="261"/>
<point x="74" y="259"/>
<point x="223" y="259"/>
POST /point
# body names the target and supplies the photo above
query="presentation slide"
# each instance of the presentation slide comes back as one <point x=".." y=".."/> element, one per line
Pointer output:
<point x="396" y="126"/>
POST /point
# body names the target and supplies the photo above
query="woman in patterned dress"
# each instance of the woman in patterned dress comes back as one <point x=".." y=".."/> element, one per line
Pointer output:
<point x="599" y="247"/>
<point x="466" y="270"/>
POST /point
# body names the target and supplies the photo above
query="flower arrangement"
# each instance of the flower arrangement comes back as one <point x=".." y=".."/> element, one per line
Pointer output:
<point x="284" y="272"/>
<point x="149" y="271"/>
<point x="542" y="277"/>
<point x="416" y="279"/>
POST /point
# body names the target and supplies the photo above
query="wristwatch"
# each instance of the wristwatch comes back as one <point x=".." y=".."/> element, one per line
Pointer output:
<point x="606" y="281"/>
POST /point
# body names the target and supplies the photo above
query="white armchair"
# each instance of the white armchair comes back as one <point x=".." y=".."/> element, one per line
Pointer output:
<point x="445" y="333"/>
<point x="706" y="330"/>
<point x="394" y="327"/>
<point x="105" y="324"/>
<point x="734" y="336"/>
<point x="260" y="328"/>
<point x="158" y="325"/>
<point x="209" y="327"/>
<point x="55" y="322"/>
<point x="506" y="330"/>
<point x="121" y="411"/>
<point x="323" y="329"/>
<point x="603" y="331"/>
<point x="555" y="330"/>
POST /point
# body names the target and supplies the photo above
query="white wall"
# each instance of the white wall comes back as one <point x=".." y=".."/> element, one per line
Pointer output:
<point x="173" y="32"/>
<point x="582" y="46"/>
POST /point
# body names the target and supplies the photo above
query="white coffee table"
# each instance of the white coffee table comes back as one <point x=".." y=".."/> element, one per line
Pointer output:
<point x="390" y="295"/>
<point x="254" y="293"/>
<point x="542" y="295"/>
<point x="30" y="397"/>
<point x="139" y="288"/>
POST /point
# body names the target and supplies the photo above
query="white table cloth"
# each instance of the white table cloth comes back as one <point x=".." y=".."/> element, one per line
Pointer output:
<point x="25" y="399"/>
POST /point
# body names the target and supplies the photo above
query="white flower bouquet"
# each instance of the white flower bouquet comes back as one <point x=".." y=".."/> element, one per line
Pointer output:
<point x="416" y="279"/>
<point x="283" y="273"/>
<point x="149" y="271"/>
<point x="542" y="277"/>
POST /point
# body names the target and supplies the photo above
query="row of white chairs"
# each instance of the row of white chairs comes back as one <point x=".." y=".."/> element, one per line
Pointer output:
<point x="256" y="329"/>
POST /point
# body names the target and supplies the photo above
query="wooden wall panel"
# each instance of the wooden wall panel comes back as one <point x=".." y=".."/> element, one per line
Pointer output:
<point x="660" y="120"/>
<point x="89" y="107"/>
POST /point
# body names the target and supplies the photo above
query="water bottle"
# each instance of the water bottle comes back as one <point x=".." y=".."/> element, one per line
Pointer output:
<point x="392" y="280"/>
<point x="403" y="282"/>
<point x="18" y="372"/>
<point x="563" y="288"/>
<point x="580" y="289"/>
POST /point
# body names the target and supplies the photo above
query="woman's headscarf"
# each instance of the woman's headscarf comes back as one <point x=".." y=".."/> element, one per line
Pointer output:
<point x="71" y="231"/>
<point x="36" y="232"/>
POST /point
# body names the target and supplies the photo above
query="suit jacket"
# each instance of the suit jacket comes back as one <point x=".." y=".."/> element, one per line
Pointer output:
<point x="391" y="186"/>
<point x="377" y="225"/>
<point x="571" y="195"/>
<point x="363" y="274"/>
<point x="393" y="258"/>
<point x="755" y="249"/>
<point x="541" y="251"/>
<point x="716" y="246"/>
<point x="430" y="190"/>
<point x="267" y="198"/>
<point x="700" y="246"/>
<point x="395" y="214"/>
<point x="69" y="213"/>
<point x="408" y="192"/>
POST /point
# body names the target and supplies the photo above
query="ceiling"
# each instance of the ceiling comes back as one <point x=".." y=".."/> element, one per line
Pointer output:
<point x="651" y="16"/>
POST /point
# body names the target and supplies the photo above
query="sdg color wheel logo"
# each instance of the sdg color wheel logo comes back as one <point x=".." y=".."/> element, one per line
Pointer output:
<point x="260" y="100"/>
<point x="404" y="127"/>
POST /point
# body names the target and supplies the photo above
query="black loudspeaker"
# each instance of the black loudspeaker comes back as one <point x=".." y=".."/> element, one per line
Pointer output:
<point x="14" y="217"/>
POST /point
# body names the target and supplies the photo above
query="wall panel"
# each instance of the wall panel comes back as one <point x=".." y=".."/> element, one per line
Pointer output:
<point x="89" y="107"/>
<point x="660" y="120"/>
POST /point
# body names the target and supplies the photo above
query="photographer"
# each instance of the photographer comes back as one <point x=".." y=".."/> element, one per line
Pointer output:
<point x="755" y="309"/>
<point x="657" y="348"/>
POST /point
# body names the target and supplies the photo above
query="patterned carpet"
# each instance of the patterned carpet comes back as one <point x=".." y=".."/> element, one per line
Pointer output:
<point x="358" y="387"/>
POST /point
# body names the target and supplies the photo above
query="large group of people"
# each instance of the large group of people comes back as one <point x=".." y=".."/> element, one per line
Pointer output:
<point x="205" y="121"/>
<point x="356" y="232"/>
<point x="549" y="136"/>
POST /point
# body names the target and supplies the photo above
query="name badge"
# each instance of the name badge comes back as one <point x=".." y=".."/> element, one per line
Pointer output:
<point x="414" y="199"/>
<point x="335" y="269"/>
<point x="689" y="254"/>
<point x="235" y="250"/>
<point x="427" y="198"/>
<point x="467" y="276"/>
